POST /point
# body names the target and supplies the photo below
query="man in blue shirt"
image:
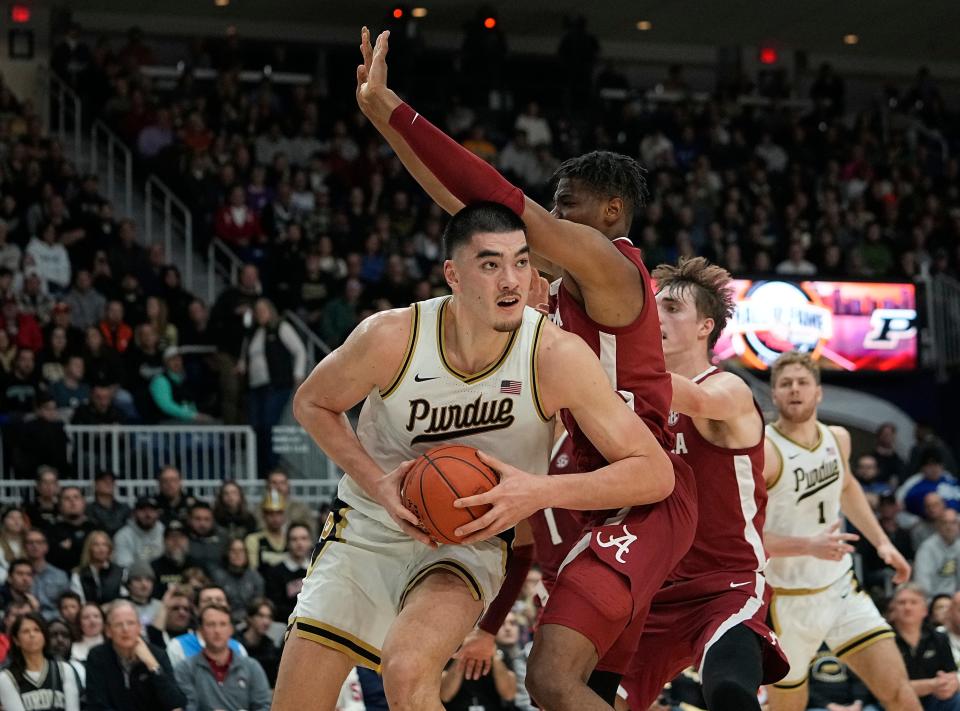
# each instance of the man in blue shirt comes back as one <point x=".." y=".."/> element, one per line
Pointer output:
<point x="932" y="478"/>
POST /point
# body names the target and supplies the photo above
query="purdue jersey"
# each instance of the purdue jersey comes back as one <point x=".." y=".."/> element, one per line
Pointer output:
<point x="804" y="500"/>
<point x="430" y="402"/>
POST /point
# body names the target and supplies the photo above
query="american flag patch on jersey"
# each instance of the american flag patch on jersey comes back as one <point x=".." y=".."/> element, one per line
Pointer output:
<point x="510" y="387"/>
<point x="831" y="451"/>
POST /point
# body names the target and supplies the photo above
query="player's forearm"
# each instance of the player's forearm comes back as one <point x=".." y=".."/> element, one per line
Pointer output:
<point x="923" y="687"/>
<point x="693" y="400"/>
<point x="779" y="546"/>
<point x="334" y="435"/>
<point x="504" y="680"/>
<point x="633" y="481"/>
<point x="856" y="508"/>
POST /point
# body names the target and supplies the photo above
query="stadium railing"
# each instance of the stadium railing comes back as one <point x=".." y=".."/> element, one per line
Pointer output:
<point x="65" y="113"/>
<point x="943" y="321"/>
<point x="109" y="153"/>
<point x="166" y="214"/>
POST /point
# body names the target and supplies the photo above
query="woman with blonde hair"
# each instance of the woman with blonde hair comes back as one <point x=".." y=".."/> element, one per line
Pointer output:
<point x="158" y="317"/>
<point x="97" y="579"/>
<point x="12" y="528"/>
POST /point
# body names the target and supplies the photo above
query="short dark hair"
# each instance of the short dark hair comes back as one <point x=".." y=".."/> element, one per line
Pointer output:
<point x="253" y="607"/>
<point x="200" y="505"/>
<point x="298" y="524"/>
<point x="69" y="595"/>
<point x="608" y="175"/>
<point x="214" y="606"/>
<point x="479" y="217"/>
<point x="17" y="562"/>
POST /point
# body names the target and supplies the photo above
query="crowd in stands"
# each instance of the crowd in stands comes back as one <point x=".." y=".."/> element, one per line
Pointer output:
<point x="97" y="328"/>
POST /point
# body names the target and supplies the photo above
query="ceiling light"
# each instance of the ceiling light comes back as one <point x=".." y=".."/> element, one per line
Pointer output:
<point x="221" y="3"/>
<point x="419" y="12"/>
<point x="644" y="25"/>
<point x="851" y="39"/>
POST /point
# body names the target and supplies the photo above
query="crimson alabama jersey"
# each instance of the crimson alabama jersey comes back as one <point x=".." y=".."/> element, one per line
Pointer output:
<point x="732" y="500"/>
<point x="631" y="356"/>
<point x="556" y="530"/>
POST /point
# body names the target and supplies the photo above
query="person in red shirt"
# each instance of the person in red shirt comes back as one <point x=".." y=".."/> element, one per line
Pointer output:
<point x="23" y="329"/>
<point x="595" y="615"/>
<point x="116" y="333"/>
<point x="236" y="224"/>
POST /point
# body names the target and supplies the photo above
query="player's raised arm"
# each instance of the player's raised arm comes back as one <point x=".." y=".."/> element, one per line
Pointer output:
<point x="453" y="176"/>
<point x="722" y="397"/>
<point x="854" y="504"/>
<point x="369" y="358"/>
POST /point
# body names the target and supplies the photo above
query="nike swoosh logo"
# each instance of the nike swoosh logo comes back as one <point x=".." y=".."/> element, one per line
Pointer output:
<point x="794" y="456"/>
<point x="739" y="585"/>
<point x="418" y="379"/>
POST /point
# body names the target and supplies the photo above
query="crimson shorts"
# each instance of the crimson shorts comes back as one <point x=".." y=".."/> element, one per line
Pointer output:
<point x="607" y="582"/>
<point x="687" y="618"/>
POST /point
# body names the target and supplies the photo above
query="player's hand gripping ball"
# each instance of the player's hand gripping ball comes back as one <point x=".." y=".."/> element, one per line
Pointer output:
<point x="440" y="477"/>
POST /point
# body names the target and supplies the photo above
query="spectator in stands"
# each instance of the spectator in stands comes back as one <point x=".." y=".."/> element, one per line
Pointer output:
<point x="140" y="582"/>
<point x="127" y="256"/>
<point x="229" y="320"/>
<point x="952" y="626"/>
<point x="100" y="408"/>
<point x="296" y="511"/>
<point x="142" y="362"/>
<point x="171" y="566"/>
<point x="174" y="502"/>
<point x="102" y="364"/>
<point x="534" y="125"/>
<point x="42" y="511"/>
<point x="208" y="542"/>
<point x="172" y="618"/>
<point x="49" y="582"/>
<point x="116" y="333"/>
<point x="10" y="253"/>
<point x="59" y="645"/>
<point x="939" y="609"/>
<point x="932" y="477"/>
<point x="69" y="604"/>
<point x="867" y="473"/>
<point x="71" y="391"/>
<point x="12" y="540"/>
<point x="260" y="615"/>
<point x="157" y="136"/>
<point x="267" y="546"/>
<point x="231" y="513"/>
<point x="170" y="395"/>
<point x="158" y="317"/>
<point x="91" y="631"/>
<point x="141" y="539"/>
<point x="925" y="651"/>
<point x="926" y="441"/>
<point x="341" y="314"/>
<point x="218" y="678"/>
<point x="53" y="357"/>
<point x="189" y="644"/>
<point x="923" y="528"/>
<point x="106" y="512"/>
<point x="34" y="680"/>
<point x="19" y="585"/>
<point x="240" y="582"/>
<point x="274" y="360"/>
<point x="96" y="578"/>
<point x="892" y="467"/>
<point x="39" y="439"/>
<point x="937" y="564"/>
<point x="21" y="387"/>
<point x="284" y="580"/>
<point x="23" y="328"/>
<point x="51" y="258"/>
<point x="68" y="535"/>
<point x="238" y="225"/>
<point x="86" y="304"/>
<point x="33" y="298"/>
<point x="129" y="674"/>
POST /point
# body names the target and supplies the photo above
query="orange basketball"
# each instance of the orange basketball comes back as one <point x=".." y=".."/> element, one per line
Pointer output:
<point x="440" y="477"/>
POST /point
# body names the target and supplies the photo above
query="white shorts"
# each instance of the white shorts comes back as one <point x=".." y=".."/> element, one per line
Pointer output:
<point x="362" y="572"/>
<point x="842" y="615"/>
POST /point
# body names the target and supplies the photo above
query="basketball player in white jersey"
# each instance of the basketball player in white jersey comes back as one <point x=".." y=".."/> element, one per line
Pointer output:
<point x="477" y="368"/>
<point x="816" y="597"/>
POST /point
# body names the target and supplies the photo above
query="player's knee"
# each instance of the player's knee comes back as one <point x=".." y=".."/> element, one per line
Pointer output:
<point x="731" y="695"/>
<point x="546" y="684"/>
<point x="406" y="682"/>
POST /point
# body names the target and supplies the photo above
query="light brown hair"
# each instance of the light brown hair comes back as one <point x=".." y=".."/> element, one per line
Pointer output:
<point x="709" y="284"/>
<point x="794" y="358"/>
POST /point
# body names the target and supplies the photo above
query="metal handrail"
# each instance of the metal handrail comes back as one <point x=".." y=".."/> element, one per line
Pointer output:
<point x="313" y="341"/>
<point x="170" y="202"/>
<point x="67" y="105"/>
<point x="114" y="144"/>
<point x="219" y="249"/>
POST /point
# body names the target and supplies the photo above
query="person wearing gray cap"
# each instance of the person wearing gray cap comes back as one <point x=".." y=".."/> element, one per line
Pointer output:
<point x="141" y="540"/>
<point x="140" y="582"/>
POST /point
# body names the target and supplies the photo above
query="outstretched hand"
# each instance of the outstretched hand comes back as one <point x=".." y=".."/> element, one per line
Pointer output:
<point x="373" y="96"/>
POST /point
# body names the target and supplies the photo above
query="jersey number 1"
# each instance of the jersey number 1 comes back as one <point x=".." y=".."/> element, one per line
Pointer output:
<point x="823" y="519"/>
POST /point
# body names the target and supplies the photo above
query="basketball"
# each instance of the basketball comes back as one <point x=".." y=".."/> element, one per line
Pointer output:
<point x="440" y="477"/>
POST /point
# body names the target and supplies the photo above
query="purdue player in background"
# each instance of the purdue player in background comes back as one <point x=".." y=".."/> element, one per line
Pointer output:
<point x="816" y="597"/>
<point x="476" y="368"/>
<point x="712" y="612"/>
